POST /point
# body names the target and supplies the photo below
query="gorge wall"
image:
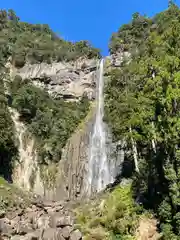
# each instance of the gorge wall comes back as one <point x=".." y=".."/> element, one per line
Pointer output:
<point x="49" y="131"/>
<point x="61" y="80"/>
<point x="49" y="88"/>
<point x="66" y="179"/>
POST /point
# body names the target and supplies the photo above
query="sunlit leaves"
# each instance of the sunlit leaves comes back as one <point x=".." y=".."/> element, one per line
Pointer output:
<point x="50" y="121"/>
<point x="149" y="103"/>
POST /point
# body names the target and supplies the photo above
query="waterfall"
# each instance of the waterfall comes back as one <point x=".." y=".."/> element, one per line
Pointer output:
<point x="26" y="170"/>
<point x="99" y="175"/>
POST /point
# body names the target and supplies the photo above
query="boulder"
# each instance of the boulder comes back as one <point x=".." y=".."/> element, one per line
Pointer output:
<point x="43" y="221"/>
<point x="5" y="229"/>
<point x="76" y="235"/>
<point x="35" y="223"/>
<point x="60" y="221"/>
<point x="52" y="234"/>
<point x="31" y="217"/>
<point x="15" y="221"/>
<point x="17" y="237"/>
<point x="2" y="213"/>
<point x="29" y="236"/>
<point x="24" y="228"/>
<point x="66" y="231"/>
<point x="58" y="204"/>
<point x="48" y="203"/>
<point x="33" y="235"/>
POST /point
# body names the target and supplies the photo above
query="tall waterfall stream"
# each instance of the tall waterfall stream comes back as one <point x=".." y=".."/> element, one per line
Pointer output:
<point x="99" y="170"/>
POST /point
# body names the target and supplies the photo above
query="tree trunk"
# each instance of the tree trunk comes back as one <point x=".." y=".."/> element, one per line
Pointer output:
<point x="153" y="140"/>
<point x="135" y="153"/>
<point x="154" y="134"/>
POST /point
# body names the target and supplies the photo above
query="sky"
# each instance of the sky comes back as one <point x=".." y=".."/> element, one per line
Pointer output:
<point x="75" y="20"/>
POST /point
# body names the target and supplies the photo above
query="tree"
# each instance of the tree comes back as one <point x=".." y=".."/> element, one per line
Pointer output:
<point x="12" y="16"/>
<point x="171" y="3"/>
<point x="135" y="16"/>
<point x="143" y="107"/>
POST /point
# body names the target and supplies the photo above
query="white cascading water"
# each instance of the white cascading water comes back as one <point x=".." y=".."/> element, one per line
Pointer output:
<point x="27" y="165"/>
<point x="99" y="170"/>
<point x="26" y="169"/>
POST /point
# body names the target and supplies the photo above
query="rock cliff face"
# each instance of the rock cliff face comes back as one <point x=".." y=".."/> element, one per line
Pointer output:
<point x="26" y="170"/>
<point x="65" y="180"/>
<point x="55" y="181"/>
<point x="115" y="60"/>
<point x="115" y="153"/>
<point x="73" y="167"/>
<point x="62" y="80"/>
<point x="68" y="178"/>
<point x="72" y="177"/>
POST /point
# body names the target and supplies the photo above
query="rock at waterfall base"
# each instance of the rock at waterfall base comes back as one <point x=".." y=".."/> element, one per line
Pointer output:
<point x="35" y="222"/>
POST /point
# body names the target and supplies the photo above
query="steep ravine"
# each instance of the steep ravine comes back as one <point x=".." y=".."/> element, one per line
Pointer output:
<point x="90" y="146"/>
<point x="47" y="181"/>
<point x="68" y="181"/>
<point x="68" y="178"/>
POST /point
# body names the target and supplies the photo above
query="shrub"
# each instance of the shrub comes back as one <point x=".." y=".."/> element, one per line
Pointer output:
<point x="51" y="121"/>
<point x="117" y="219"/>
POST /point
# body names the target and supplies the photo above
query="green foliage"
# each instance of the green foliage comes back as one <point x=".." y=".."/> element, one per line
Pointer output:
<point x="51" y="121"/>
<point x="116" y="217"/>
<point x="171" y="3"/>
<point x="143" y="96"/>
<point x="129" y="36"/>
<point x="11" y="196"/>
<point x="37" y="43"/>
<point x="168" y="232"/>
<point x="8" y="149"/>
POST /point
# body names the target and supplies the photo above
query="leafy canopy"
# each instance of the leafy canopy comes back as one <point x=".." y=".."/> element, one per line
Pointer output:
<point x="144" y="95"/>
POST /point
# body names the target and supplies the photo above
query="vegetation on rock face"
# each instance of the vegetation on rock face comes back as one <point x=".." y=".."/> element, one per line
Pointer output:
<point x="130" y="36"/>
<point x="143" y="105"/>
<point x="12" y="197"/>
<point x="8" y="149"/>
<point x="51" y="121"/>
<point x="37" y="43"/>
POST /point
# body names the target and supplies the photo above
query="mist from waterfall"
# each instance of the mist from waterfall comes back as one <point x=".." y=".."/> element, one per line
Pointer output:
<point x="99" y="175"/>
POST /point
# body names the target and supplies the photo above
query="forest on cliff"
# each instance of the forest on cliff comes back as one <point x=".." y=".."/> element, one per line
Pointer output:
<point x="37" y="43"/>
<point x="50" y="121"/>
<point x="143" y="107"/>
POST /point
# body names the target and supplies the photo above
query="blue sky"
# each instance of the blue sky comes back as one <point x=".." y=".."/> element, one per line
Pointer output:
<point x="93" y="20"/>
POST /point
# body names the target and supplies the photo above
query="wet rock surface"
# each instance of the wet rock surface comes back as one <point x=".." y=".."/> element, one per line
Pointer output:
<point x="45" y="220"/>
